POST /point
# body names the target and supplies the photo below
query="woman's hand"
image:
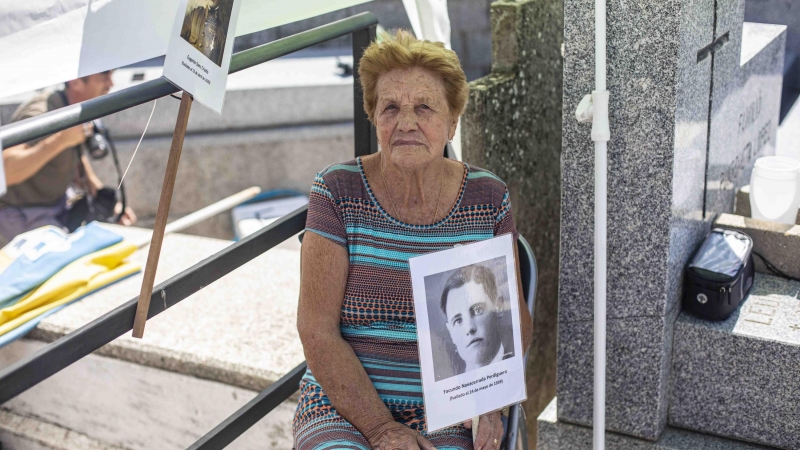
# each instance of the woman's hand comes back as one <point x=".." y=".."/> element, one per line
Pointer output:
<point x="396" y="436"/>
<point x="490" y="431"/>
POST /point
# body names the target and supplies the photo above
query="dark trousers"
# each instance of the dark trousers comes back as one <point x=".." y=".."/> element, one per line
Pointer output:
<point x="15" y="220"/>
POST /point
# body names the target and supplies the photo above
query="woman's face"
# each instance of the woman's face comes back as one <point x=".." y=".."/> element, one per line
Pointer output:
<point x="412" y="118"/>
<point x="472" y="323"/>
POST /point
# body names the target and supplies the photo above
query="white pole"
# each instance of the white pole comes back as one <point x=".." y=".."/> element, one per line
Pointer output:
<point x="600" y="45"/>
<point x="600" y="198"/>
<point x="601" y="135"/>
<point x="594" y="108"/>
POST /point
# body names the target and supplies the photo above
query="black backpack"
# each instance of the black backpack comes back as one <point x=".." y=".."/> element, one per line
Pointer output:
<point x="719" y="275"/>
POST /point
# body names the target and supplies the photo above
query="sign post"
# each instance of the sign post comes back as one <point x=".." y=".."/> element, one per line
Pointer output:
<point x="198" y="58"/>
<point x="161" y="216"/>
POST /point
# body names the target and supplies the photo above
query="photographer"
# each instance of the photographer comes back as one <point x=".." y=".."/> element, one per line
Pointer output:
<point x="41" y="173"/>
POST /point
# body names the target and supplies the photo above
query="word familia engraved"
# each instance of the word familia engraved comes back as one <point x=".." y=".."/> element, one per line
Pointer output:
<point x="750" y="114"/>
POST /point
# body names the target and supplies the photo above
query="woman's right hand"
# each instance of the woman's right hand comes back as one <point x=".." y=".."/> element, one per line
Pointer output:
<point x="396" y="436"/>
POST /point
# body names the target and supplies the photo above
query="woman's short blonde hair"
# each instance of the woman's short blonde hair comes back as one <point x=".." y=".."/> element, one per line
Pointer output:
<point x="404" y="51"/>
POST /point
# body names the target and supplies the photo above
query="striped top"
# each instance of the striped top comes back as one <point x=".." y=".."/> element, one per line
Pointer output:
<point x="377" y="317"/>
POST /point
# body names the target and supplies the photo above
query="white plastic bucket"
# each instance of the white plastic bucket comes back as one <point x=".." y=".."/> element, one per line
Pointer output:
<point x="775" y="189"/>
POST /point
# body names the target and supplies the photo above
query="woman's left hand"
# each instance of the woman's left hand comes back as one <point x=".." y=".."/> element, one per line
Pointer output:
<point x="490" y="431"/>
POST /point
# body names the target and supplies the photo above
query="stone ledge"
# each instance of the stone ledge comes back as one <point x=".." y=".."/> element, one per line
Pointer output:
<point x="555" y="435"/>
<point x="281" y="158"/>
<point x="282" y="92"/>
<point x="740" y="377"/>
<point x="779" y="243"/>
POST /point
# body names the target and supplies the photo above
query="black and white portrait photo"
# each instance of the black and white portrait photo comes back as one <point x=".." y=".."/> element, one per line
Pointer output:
<point x="205" y="26"/>
<point x="470" y="317"/>
<point x="467" y="309"/>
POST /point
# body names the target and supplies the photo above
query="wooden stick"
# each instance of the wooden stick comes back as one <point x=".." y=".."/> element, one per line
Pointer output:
<point x="161" y="216"/>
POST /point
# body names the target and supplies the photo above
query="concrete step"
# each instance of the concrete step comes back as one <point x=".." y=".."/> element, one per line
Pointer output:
<point x="740" y="378"/>
<point x="198" y="362"/>
<point x="556" y="435"/>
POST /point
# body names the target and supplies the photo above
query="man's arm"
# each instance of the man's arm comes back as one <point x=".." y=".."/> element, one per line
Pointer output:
<point x="23" y="161"/>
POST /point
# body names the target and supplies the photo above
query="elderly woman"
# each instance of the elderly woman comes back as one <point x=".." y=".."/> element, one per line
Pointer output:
<point x="366" y="218"/>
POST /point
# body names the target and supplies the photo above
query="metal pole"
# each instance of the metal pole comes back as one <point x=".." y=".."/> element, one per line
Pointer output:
<point x="366" y="141"/>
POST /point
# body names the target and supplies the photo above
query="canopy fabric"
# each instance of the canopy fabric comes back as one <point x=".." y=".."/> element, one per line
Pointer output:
<point x="81" y="277"/>
<point x="45" y="42"/>
<point x="429" y="19"/>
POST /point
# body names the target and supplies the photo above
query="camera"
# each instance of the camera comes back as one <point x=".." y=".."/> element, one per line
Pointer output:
<point x="98" y="142"/>
<point x="101" y="206"/>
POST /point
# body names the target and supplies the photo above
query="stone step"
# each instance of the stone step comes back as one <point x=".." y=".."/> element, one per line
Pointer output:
<point x="740" y="378"/>
<point x="275" y="158"/>
<point x="199" y="361"/>
<point x="556" y="435"/>
<point x="28" y="433"/>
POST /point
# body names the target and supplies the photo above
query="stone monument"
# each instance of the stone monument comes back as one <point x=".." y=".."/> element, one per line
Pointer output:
<point x="512" y="127"/>
<point x="695" y="96"/>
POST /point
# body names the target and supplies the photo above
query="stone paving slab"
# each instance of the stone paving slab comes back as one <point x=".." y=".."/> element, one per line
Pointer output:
<point x="555" y="435"/>
<point x="741" y="377"/>
<point x="239" y="331"/>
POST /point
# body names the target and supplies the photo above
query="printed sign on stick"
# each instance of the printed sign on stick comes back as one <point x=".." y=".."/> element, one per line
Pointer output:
<point x="200" y="47"/>
<point x="466" y="303"/>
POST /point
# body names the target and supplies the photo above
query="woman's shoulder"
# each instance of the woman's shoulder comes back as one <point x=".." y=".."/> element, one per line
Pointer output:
<point x="343" y="179"/>
<point x="483" y="187"/>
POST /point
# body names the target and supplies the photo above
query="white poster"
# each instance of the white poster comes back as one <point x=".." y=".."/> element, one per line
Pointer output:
<point x="468" y="330"/>
<point x="200" y="48"/>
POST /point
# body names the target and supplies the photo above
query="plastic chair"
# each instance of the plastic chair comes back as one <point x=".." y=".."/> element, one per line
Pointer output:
<point x="516" y="436"/>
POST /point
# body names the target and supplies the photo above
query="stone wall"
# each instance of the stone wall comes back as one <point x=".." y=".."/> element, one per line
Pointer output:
<point x="512" y="127"/>
<point x="469" y="23"/>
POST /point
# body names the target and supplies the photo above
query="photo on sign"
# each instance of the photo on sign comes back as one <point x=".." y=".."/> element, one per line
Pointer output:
<point x="470" y="317"/>
<point x="205" y="27"/>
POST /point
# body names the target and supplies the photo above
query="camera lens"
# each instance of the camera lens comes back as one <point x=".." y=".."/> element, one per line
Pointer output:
<point x="97" y="145"/>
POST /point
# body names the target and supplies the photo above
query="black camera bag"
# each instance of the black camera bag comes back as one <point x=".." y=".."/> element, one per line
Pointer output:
<point x="712" y="295"/>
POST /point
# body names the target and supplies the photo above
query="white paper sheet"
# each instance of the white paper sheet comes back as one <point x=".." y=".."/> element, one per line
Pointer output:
<point x="466" y="304"/>
<point x="202" y="69"/>
<point x="45" y="42"/>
